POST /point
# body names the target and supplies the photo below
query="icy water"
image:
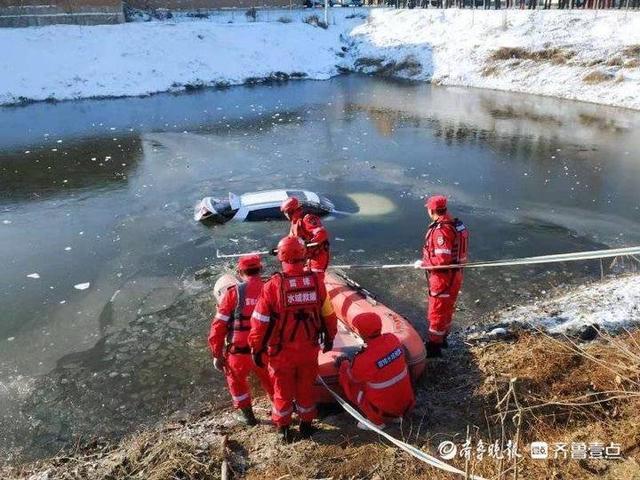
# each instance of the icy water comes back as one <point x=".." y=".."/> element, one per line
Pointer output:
<point x="100" y="192"/>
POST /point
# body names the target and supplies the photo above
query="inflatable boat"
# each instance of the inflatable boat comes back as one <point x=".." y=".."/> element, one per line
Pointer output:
<point x="349" y="299"/>
<point x="258" y="206"/>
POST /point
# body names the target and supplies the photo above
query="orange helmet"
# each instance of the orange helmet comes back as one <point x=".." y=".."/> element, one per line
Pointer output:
<point x="367" y="324"/>
<point x="249" y="262"/>
<point x="291" y="250"/>
<point x="290" y="205"/>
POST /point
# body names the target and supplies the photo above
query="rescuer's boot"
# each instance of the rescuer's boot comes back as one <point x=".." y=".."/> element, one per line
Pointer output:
<point x="434" y="350"/>
<point x="285" y="432"/>
<point x="245" y="415"/>
<point x="306" y="429"/>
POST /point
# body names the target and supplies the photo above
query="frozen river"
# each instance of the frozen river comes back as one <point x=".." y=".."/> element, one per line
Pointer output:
<point x="103" y="326"/>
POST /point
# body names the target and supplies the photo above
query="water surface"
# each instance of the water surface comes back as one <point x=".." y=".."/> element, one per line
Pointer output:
<point x="101" y="191"/>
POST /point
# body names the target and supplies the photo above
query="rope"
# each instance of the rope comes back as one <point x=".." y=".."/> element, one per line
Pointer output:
<point x="257" y="252"/>
<point x="416" y="452"/>
<point x="561" y="257"/>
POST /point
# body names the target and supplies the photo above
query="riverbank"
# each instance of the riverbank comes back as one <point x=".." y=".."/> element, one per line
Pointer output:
<point x="552" y="390"/>
<point x="589" y="56"/>
<point x="524" y="387"/>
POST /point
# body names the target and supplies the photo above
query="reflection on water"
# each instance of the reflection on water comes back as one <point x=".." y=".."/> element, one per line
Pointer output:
<point x="67" y="170"/>
<point x="102" y="191"/>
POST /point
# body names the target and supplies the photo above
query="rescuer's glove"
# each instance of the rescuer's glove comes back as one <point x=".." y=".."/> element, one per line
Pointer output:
<point x="257" y="359"/>
<point x="218" y="363"/>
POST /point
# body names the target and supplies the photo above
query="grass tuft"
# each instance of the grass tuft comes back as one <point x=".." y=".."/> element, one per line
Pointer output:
<point x="556" y="56"/>
<point x="597" y="76"/>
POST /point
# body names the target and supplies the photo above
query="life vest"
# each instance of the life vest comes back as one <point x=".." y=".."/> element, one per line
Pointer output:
<point x="240" y="321"/>
<point x="299" y="318"/>
<point x="459" y="252"/>
<point x="461" y="245"/>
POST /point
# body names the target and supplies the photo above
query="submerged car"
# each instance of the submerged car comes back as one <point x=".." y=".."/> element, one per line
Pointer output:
<point x="258" y="206"/>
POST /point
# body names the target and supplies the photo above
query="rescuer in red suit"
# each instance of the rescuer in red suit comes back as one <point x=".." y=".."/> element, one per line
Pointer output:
<point x="228" y="337"/>
<point x="310" y="229"/>
<point x="446" y="243"/>
<point x="293" y="314"/>
<point x="377" y="380"/>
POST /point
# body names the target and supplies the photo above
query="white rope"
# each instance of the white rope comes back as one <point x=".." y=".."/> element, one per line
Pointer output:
<point x="236" y="255"/>
<point x="259" y="252"/>
<point x="561" y="257"/>
<point x="416" y="452"/>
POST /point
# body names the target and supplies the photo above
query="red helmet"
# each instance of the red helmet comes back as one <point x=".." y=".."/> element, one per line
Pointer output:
<point x="291" y="204"/>
<point x="437" y="202"/>
<point x="367" y="324"/>
<point x="249" y="262"/>
<point x="291" y="250"/>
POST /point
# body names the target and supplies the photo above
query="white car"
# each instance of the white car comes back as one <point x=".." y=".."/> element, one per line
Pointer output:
<point x="258" y="206"/>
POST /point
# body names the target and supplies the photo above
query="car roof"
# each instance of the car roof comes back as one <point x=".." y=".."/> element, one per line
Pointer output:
<point x="270" y="197"/>
<point x="267" y="196"/>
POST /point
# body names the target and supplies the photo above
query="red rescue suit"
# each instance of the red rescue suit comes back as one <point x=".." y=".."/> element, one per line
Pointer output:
<point x="292" y="313"/>
<point x="228" y="339"/>
<point x="446" y="243"/>
<point x="377" y="381"/>
<point x="310" y="229"/>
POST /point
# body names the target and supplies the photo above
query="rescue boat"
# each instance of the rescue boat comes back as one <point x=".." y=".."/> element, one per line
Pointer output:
<point x="349" y="299"/>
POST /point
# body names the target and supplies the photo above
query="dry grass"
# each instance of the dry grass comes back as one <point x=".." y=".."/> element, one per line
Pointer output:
<point x="409" y="66"/>
<point x="368" y="62"/>
<point x="597" y="76"/>
<point x="615" y="62"/>
<point x="490" y="71"/>
<point x="507" y="53"/>
<point x="536" y="388"/>
<point x="632" y="63"/>
<point x="157" y="457"/>
<point x="570" y="392"/>
<point x="151" y="455"/>
<point x="315" y="21"/>
<point x="556" y="56"/>
<point x="632" y="51"/>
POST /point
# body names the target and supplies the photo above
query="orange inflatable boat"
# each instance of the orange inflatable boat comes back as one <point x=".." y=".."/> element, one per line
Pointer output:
<point x="349" y="299"/>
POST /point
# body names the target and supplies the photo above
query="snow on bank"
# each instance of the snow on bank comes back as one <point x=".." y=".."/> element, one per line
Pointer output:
<point x="585" y="55"/>
<point x="611" y="304"/>
<point x="67" y="62"/>
<point x="591" y="56"/>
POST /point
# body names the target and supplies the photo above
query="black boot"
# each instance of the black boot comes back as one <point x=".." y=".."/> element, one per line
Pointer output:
<point x="445" y="344"/>
<point x="246" y="416"/>
<point x="434" y="350"/>
<point x="307" y="429"/>
<point x="286" y="434"/>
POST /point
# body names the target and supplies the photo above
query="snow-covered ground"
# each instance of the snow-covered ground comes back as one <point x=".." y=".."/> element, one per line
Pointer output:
<point x="612" y="304"/>
<point x="67" y="62"/>
<point x="453" y="47"/>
